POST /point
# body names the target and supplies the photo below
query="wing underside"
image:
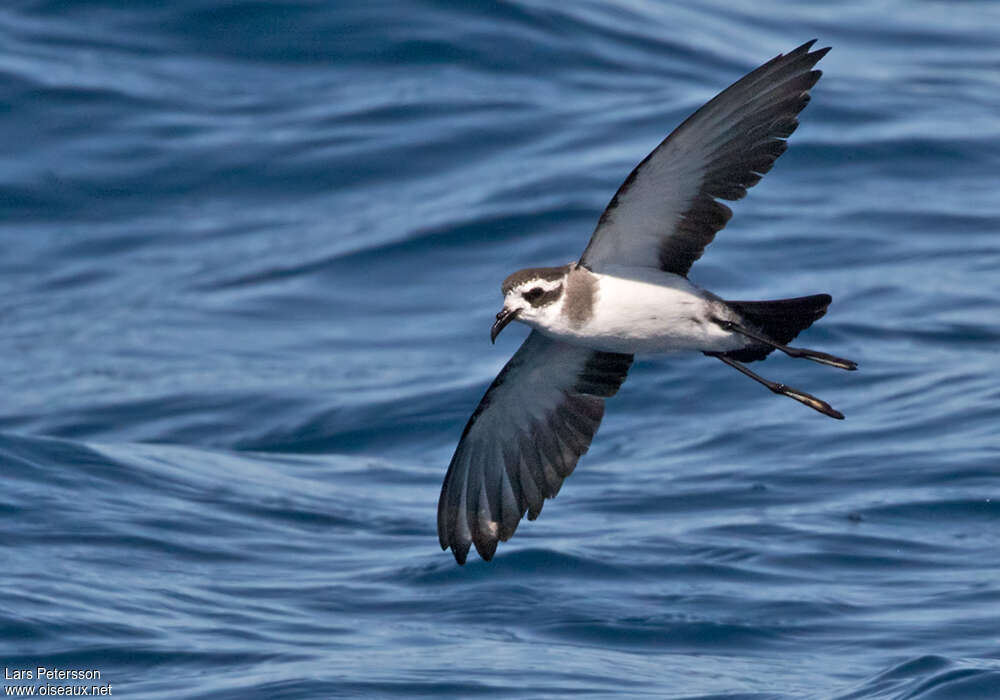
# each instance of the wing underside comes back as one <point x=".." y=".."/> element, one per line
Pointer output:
<point x="525" y="437"/>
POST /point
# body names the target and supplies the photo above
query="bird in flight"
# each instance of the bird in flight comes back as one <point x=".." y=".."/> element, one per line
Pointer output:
<point x="629" y="293"/>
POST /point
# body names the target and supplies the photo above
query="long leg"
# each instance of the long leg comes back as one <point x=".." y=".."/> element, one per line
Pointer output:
<point x="800" y="396"/>
<point x="814" y="355"/>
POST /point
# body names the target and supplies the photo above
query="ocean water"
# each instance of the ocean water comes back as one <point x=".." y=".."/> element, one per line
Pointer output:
<point x="249" y="257"/>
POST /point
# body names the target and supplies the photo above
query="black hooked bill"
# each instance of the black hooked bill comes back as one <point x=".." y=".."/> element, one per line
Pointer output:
<point x="503" y="318"/>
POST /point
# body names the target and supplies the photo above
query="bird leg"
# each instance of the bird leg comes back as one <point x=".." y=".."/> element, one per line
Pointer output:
<point x="800" y="396"/>
<point x="814" y="355"/>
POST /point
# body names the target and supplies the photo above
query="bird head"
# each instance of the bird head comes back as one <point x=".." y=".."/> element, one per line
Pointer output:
<point x="531" y="296"/>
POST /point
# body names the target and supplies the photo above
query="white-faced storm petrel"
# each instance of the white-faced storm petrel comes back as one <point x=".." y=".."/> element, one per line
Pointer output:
<point x="629" y="293"/>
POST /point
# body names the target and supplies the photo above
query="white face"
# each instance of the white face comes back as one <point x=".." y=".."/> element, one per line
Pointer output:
<point x="535" y="302"/>
<point x="535" y="299"/>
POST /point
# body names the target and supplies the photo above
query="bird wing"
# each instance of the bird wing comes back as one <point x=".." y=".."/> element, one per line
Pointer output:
<point x="666" y="212"/>
<point x="525" y="437"/>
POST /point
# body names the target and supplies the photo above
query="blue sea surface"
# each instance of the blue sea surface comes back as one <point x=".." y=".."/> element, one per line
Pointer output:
<point x="249" y="257"/>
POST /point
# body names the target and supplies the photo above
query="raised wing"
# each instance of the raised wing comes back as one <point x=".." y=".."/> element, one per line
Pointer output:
<point x="666" y="212"/>
<point x="523" y="440"/>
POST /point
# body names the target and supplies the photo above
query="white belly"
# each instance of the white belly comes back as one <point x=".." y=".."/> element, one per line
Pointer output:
<point x="650" y="312"/>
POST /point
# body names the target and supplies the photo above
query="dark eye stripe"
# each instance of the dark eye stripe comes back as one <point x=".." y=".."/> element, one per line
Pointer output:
<point x="539" y="297"/>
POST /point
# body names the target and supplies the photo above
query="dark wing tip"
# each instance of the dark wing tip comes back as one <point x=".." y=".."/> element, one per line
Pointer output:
<point x="487" y="547"/>
<point x="815" y="56"/>
<point x="804" y="48"/>
<point x="448" y="537"/>
<point x="461" y="552"/>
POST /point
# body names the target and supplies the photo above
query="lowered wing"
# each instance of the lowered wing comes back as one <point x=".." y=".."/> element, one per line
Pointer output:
<point x="523" y="440"/>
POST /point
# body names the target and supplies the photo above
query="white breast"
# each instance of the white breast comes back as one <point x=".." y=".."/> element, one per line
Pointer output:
<point x="641" y="310"/>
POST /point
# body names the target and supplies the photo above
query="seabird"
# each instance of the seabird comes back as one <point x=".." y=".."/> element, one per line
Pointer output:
<point x="629" y="293"/>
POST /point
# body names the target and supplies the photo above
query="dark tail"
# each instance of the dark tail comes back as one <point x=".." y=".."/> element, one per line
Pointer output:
<point x="780" y="320"/>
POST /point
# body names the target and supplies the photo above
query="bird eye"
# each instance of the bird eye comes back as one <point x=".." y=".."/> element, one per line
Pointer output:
<point x="533" y="294"/>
